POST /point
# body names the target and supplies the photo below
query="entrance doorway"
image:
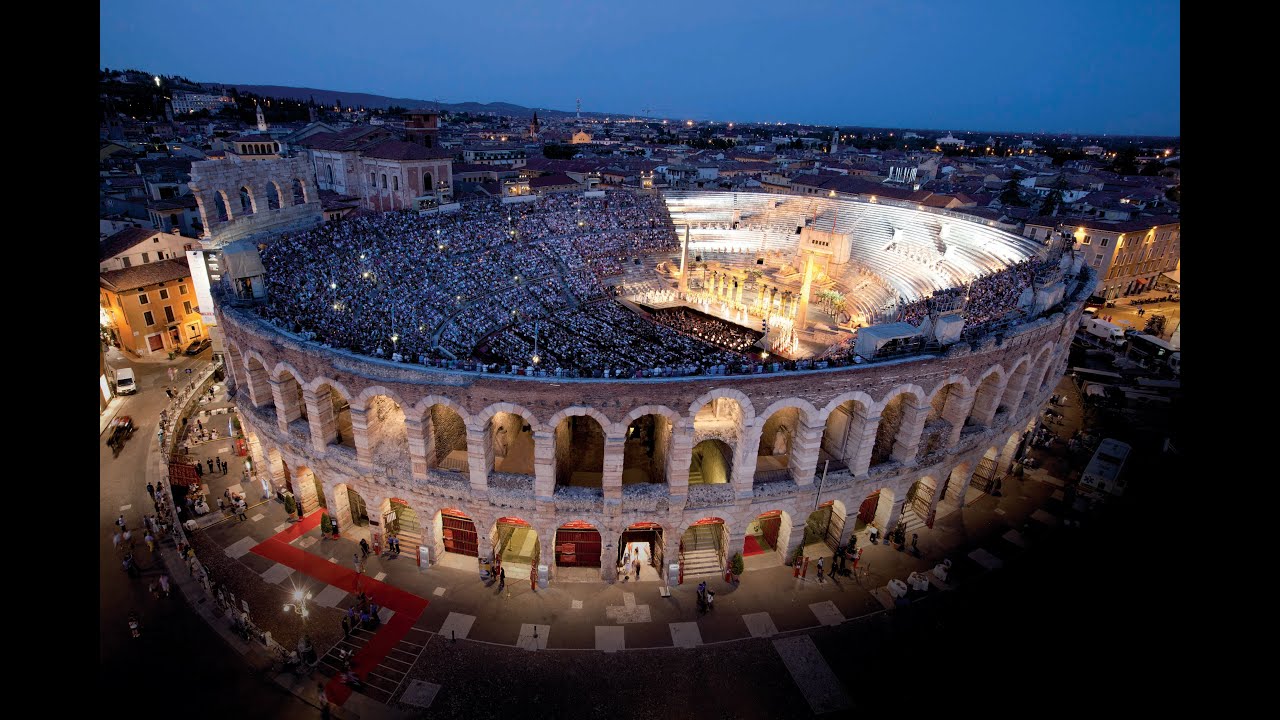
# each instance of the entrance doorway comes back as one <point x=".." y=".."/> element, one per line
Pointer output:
<point x="175" y="338"/>
<point x="702" y="548"/>
<point x="400" y="520"/>
<point x="985" y="475"/>
<point x="762" y="534"/>
<point x="825" y="525"/>
<point x="515" y="547"/>
<point x="642" y="540"/>
<point x="155" y="342"/>
<point x="577" y="545"/>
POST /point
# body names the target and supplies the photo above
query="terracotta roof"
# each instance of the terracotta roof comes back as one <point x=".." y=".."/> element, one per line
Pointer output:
<point x="401" y="150"/>
<point x="143" y="275"/>
<point x="123" y="240"/>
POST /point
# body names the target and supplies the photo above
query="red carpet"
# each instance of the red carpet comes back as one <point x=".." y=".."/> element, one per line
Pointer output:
<point x="406" y="606"/>
<point x="751" y="547"/>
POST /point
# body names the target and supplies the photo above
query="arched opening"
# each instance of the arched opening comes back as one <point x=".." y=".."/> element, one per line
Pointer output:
<point x="512" y="438"/>
<point x="515" y="547"/>
<point x="330" y="169"/>
<point x="1038" y="370"/>
<point x="984" y="476"/>
<point x="944" y="412"/>
<point x="876" y="510"/>
<point x="773" y="459"/>
<point x="986" y="401"/>
<point x="644" y="456"/>
<point x="823" y="530"/>
<point x="246" y="201"/>
<point x="702" y="548"/>
<point x="351" y="512"/>
<point x="221" y="210"/>
<point x="578" y="545"/>
<point x="447" y="438"/>
<point x="643" y="541"/>
<point x="711" y="463"/>
<point x="292" y="406"/>
<point x="300" y="192"/>
<point x="402" y="521"/>
<point x="951" y="496"/>
<point x="388" y="437"/>
<point x="842" y="434"/>
<point x="766" y="540"/>
<point x="916" y="513"/>
<point x="273" y="196"/>
<point x="427" y="187"/>
<point x="579" y="443"/>
<point x="459" y="541"/>
<point x="1017" y="384"/>
<point x="335" y="417"/>
<point x="887" y="430"/>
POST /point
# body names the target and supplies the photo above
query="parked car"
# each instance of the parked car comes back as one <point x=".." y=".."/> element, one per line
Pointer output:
<point x="197" y="346"/>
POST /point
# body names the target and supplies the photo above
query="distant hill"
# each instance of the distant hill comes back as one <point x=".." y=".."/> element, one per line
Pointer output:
<point x="368" y="100"/>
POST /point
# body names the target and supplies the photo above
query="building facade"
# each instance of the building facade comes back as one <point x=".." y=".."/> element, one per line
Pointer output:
<point x="152" y="308"/>
<point x="1128" y="255"/>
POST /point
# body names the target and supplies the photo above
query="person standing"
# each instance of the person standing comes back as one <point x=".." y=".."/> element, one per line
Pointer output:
<point x="115" y="540"/>
<point x="199" y="470"/>
<point x="820" y="569"/>
<point x="364" y="548"/>
<point x="120" y="523"/>
<point x="151" y="490"/>
<point x="355" y="560"/>
<point x="217" y="461"/>
<point x="151" y="542"/>
<point x="502" y="578"/>
<point x="209" y="462"/>
<point x="241" y="507"/>
<point x="346" y="627"/>
<point x="636" y="564"/>
<point x="164" y="584"/>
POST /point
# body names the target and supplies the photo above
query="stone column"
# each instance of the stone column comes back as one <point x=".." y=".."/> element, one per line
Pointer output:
<point x="907" y="443"/>
<point x="614" y="448"/>
<point x="679" y="455"/>
<point x="360" y="427"/>
<point x="861" y="437"/>
<point x="805" y="444"/>
<point x="417" y="432"/>
<point x="737" y="536"/>
<point x="1013" y="390"/>
<point x="609" y="556"/>
<point x="479" y="457"/>
<point x="324" y="425"/>
<point x="744" y="463"/>
<point x="304" y="485"/>
<point x="288" y="408"/>
<point x="955" y="411"/>
<point x="259" y="388"/>
<point x="987" y="401"/>
<point x="544" y="465"/>
<point x="256" y="454"/>
<point x="275" y="466"/>
<point x="896" y="513"/>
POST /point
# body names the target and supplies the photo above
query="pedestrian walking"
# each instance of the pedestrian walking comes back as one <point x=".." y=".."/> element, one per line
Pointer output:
<point x="128" y="539"/>
<point x="346" y="627"/>
<point x="164" y="584"/>
<point x="502" y="578"/>
<point x="355" y="560"/>
<point x="151" y="542"/>
<point x="151" y="490"/>
<point x="820" y="569"/>
<point x="636" y="564"/>
<point x="200" y="426"/>
<point x="120" y="523"/>
<point x="199" y="470"/>
<point x="218" y="461"/>
<point x="241" y="507"/>
<point x="915" y="550"/>
<point x="115" y="540"/>
<point x="222" y="506"/>
<point x="209" y="462"/>
<point x="364" y="548"/>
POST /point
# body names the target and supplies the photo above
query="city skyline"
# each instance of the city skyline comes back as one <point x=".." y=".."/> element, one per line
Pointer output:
<point x="913" y="67"/>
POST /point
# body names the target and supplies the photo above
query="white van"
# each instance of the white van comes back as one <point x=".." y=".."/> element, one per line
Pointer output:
<point x="126" y="384"/>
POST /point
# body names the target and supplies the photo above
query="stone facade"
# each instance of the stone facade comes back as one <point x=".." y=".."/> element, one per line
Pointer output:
<point x="278" y="195"/>
<point x="980" y="401"/>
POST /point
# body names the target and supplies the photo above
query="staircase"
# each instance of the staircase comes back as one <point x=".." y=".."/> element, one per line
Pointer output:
<point x="911" y="522"/>
<point x="408" y="531"/>
<point x="701" y="554"/>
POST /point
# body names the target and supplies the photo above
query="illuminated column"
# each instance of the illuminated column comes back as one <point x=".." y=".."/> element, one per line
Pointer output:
<point x="861" y="436"/>
<point x="955" y="411"/>
<point x="480" y="457"/>
<point x="1014" y="388"/>
<point x="802" y="312"/>
<point x="684" y="261"/>
<point x="288" y="408"/>
<point x="304" y="487"/>
<point x="679" y="455"/>
<point x="744" y="461"/>
<point x="544" y="465"/>
<point x="360" y="428"/>
<point x="416" y="430"/>
<point x="907" y="442"/>
<point x="614" y="448"/>
<point x="324" y="426"/>
<point x="987" y="401"/>
<point x="805" y="444"/>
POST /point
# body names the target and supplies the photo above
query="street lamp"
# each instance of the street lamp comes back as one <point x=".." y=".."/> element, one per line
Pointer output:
<point x="299" y="604"/>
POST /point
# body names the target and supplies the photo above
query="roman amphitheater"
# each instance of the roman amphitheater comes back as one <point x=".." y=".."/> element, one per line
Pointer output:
<point x="553" y="414"/>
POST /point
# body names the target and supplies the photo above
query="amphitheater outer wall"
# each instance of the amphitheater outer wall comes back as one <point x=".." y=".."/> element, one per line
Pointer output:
<point x="993" y="392"/>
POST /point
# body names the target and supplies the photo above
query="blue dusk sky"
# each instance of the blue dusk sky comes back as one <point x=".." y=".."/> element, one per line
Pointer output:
<point x="1084" y="66"/>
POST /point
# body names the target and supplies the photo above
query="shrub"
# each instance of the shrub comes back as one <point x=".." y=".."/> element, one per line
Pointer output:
<point x="736" y="565"/>
<point x="289" y="505"/>
<point x="326" y="526"/>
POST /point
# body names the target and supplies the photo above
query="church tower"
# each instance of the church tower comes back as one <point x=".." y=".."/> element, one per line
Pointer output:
<point x="262" y="119"/>
<point x="534" y="127"/>
<point x="835" y="141"/>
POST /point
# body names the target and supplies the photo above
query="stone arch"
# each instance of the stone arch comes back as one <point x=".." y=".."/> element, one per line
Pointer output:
<point x="299" y="191"/>
<point x="221" y="206"/>
<point x="985" y="476"/>
<point x="848" y="431"/>
<point x="951" y="496"/>
<point x="779" y="429"/>
<point x="248" y="203"/>
<point x="444" y="426"/>
<point x="366" y="396"/>
<point x="892" y="431"/>
<point x="351" y="510"/>
<point x="606" y="425"/>
<point x="259" y="382"/>
<point x="766" y="539"/>
<point x="824" y="530"/>
<point x="921" y="497"/>
<point x="400" y="518"/>
<point x="385" y="432"/>
<point x="427" y="186"/>
<point x="457" y="538"/>
<point x="647" y="452"/>
<point x="948" y="407"/>
<point x="484" y="416"/>
<point x="704" y="547"/>
<point x="711" y="463"/>
<point x="331" y="423"/>
<point x="308" y="490"/>
<point x="290" y="402"/>
<point x="579" y="441"/>
<point x="515" y="547"/>
<point x="747" y="410"/>
<point x="511" y="445"/>
<point x="986" y="397"/>
<point x="1013" y="389"/>
<point x="1039" y="367"/>
<point x="274" y="197"/>
<point x="425" y="405"/>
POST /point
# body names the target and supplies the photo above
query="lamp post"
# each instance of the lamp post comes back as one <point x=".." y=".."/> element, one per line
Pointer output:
<point x="299" y="604"/>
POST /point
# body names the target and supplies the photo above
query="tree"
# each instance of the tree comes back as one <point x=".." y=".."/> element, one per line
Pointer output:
<point x="1155" y="325"/>
<point x="1125" y="162"/>
<point x="1011" y="194"/>
<point x="326" y="526"/>
<point x="1054" y="199"/>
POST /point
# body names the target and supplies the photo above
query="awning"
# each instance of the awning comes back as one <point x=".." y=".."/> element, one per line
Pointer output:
<point x="1141" y="281"/>
<point x="1175" y="276"/>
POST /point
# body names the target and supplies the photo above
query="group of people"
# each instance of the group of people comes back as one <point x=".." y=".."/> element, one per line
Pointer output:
<point x="988" y="298"/>
<point x="450" y="279"/>
<point x="720" y="333"/>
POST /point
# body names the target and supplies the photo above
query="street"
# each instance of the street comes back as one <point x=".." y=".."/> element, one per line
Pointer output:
<point x="214" y="680"/>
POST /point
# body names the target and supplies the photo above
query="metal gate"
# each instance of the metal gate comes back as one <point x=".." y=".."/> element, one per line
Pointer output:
<point x="459" y="535"/>
<point x="770" y="524"/>
<point x="578" y="547"/>
<point x="984" y="476"/>
<point x="835" y="527"/>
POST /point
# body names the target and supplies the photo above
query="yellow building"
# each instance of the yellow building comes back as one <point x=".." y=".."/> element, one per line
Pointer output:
<point x="581" y="137"/>
<point x="150" y="308"/>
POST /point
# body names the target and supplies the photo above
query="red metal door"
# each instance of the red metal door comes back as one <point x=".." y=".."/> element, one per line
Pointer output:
<point x="460" y="536"/>
<point x="578" y="548"/>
